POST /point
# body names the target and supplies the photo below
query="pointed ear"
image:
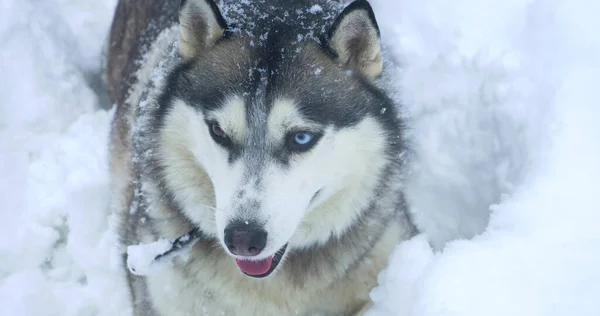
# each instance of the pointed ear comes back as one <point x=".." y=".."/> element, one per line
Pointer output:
<point x="354" y="37"/>
<point x="200" y="26"/>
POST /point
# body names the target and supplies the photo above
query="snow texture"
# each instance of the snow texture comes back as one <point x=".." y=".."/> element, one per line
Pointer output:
<point x="140" y="258"/>
<point x="249" y="14"/>
<point x="57" y="254"/>
<point x="150" y="258"/>
<point x="501" y="103"/>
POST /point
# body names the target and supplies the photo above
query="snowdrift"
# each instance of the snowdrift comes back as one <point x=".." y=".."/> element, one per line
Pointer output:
<point x="500" y="98"/>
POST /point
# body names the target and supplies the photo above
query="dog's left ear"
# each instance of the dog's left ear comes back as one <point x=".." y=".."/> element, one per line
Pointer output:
<point x="354" y="37"/>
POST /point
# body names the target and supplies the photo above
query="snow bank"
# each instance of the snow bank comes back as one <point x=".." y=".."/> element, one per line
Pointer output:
<point x="56" y="249"/>
<point x="502" y="102"/>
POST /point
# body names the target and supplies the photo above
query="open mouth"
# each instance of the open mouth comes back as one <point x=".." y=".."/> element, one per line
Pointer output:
<point x="261" y="268"/>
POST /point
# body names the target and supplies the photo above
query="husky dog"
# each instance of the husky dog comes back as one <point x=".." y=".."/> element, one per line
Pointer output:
<point x="258" y="124"/>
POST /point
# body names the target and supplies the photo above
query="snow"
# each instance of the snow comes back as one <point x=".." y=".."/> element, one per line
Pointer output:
<point x="140" y="258"/>
<point x="504" y="117"/>
<point x="504" y="125"/>
<point x="151" y="258"/>
<point x="315" y="8"/>
<point x="57" y="252"/>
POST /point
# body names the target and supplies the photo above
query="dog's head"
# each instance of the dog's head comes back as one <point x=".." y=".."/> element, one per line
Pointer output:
<point x="274" y="140"/>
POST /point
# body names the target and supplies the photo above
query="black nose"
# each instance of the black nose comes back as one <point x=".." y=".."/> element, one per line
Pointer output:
<point x="245" y="238"/>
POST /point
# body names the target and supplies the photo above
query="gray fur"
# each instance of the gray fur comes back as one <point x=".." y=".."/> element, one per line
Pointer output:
<point x="272" y="50"/>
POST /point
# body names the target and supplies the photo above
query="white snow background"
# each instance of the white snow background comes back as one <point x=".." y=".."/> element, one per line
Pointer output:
<point x="501" y="99"/>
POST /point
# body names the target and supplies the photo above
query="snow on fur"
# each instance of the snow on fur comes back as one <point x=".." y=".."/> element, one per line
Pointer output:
<point x="141" y="258"/>
<point x="503" y="120"/>
<point x="150" y="258"/>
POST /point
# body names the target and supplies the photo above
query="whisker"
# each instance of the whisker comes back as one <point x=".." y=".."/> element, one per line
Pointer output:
<point x="211" y="207"/>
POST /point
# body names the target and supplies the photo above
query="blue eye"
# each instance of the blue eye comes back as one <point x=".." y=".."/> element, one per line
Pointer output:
<point x="302" y="141"/>
<point x="302" y="138"/>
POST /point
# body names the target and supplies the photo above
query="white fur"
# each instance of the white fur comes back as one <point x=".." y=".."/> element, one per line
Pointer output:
<point x="341" y="165"/>
<point x="232" y="118"/>
<point x="347" y="163"/>
<point x="334" y="165"/>
<point x="224" y="291"/>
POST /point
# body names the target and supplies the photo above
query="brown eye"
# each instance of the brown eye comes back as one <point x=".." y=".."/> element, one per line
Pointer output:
<point x="218" y="134"/>
<point x="217" y="130"/>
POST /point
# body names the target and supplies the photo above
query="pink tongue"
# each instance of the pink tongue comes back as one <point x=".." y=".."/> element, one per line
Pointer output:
<point x="255" y="267"/>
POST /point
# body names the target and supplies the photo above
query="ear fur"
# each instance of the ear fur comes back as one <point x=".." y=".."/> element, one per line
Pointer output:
<point x="201" y="25"/>
<point x="355" y="38"/>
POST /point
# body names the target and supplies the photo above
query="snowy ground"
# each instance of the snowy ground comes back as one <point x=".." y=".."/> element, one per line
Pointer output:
<point x="501" y="101"/>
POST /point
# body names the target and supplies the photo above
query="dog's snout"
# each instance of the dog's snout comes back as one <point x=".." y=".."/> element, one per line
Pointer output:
<point x="245" y="238"/>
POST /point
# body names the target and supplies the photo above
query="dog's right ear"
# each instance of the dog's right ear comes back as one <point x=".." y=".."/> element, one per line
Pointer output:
<point x="354" y="37"/>
<point x="201" y="25"/>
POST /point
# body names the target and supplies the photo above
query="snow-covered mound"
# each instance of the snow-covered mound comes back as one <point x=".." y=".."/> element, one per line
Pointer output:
<point x="56" y="253"/>
<point x="501" y="104"/>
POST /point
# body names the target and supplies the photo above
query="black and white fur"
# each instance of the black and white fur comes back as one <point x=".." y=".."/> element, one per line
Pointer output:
<point x="262" y="71"/>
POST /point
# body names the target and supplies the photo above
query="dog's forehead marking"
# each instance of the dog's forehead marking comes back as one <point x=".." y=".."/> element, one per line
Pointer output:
<point x="256" y="147"/>
<point x="284" y="115"/>
<point x="231" y="116"/>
